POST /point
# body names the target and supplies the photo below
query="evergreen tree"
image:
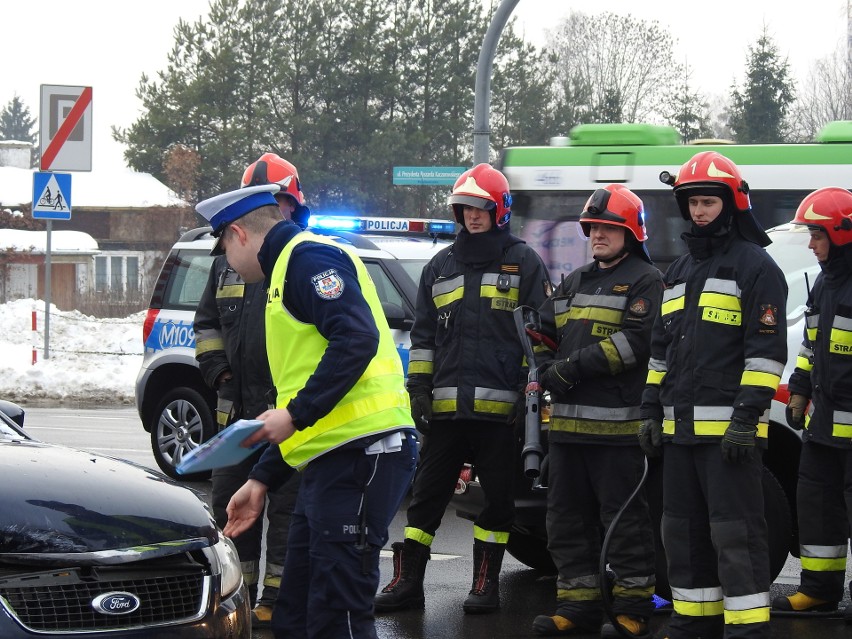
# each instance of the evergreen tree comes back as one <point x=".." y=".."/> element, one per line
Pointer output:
<point x="759" y="110"/>
<point x="17" y="124"/>
<point x="523" y="98"/>
<point x="690" y="113"/>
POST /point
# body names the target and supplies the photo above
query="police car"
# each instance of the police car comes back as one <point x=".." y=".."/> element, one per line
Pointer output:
<point x="528" y="539"/>
<point x="174" y="403"/>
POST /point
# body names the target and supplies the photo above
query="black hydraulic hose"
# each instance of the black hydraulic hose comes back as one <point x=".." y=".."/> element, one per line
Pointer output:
<point x="606" y="593"/>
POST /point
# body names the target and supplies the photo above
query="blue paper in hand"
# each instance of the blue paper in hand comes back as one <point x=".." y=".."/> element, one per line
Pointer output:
<point x="221" y="450"/>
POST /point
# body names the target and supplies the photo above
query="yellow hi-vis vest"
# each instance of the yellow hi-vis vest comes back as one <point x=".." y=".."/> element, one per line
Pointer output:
<point x="378" y="402"/>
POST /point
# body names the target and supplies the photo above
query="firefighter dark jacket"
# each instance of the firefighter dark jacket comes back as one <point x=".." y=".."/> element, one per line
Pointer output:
<point x="602" y="320"/>
<point x="824" y="366"/>
<point x="229" y="335"/>
<point x="465" y="349"/>
<point x="719" y="345"/>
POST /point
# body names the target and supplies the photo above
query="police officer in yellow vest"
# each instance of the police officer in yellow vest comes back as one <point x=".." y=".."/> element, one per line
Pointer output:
<point x="342" y="415"/>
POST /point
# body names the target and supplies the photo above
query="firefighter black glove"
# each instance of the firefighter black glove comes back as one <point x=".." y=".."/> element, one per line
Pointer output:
<point x="421" y="411"/>
<point x="738" y="443"/>
<point x="796" y="411"/>
<point x="558" y="378"/>
<point x="519" y="408"/>
<point x="651" y="437"/>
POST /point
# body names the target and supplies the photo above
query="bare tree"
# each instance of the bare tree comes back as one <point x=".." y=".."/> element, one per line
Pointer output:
<point x="625" y="66"/>
<point x="826" y="95"/>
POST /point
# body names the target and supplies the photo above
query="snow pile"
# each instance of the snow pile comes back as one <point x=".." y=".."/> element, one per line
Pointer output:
<point x="91" y="359"/>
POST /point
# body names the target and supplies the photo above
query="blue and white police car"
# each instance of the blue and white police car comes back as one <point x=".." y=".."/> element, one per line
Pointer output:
<point x="174" y="403"/>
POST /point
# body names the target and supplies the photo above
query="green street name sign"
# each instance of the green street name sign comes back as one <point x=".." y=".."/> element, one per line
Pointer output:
<point x="419" y="175"/>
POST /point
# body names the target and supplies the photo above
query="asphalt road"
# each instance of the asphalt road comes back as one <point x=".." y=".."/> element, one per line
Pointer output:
<point x="524" y="593"/>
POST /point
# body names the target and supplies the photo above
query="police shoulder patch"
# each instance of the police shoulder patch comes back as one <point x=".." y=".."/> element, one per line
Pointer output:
<point x="328" y="284"/>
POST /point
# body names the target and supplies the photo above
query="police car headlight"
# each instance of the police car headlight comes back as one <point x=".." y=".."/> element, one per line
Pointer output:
<point x="229" y="565"/>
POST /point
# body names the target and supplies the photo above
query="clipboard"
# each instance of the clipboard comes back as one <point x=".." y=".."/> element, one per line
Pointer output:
<point x="221" y="450"/>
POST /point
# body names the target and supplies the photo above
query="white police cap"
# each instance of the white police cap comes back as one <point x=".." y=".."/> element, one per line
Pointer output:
<point x="226" y="208"/>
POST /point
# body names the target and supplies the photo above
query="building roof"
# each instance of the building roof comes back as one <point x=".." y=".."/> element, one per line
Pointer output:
<point x="64" y="242"/>
<point x="115" y="188"/>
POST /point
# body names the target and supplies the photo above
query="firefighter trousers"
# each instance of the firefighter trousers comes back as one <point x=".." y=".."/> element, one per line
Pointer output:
<point x="449" y="444"/>
<point x="587" y="485"/>
<point x="715" y="538"/>
<point x="824" y="499"/>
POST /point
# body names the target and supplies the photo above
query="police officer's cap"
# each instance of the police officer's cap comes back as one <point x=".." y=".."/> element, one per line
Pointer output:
<point x="222" y="210"/>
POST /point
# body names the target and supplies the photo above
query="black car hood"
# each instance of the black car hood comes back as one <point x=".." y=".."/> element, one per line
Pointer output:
<point x="57" y="500"/>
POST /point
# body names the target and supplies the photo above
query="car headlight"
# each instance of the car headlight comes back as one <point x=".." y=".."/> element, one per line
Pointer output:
<point x="229" y="562"/>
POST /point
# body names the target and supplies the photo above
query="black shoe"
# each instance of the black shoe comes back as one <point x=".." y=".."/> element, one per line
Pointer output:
<point x="405" y="589"/>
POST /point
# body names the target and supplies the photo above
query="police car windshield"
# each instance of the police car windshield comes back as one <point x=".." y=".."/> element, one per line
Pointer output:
<point x="414" y="268"/>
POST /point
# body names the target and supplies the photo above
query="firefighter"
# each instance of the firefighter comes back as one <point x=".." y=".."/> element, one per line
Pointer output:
<point x="342" y="415"/>
<point x="231" y="352"/>
<point x="823" y="377"/>
<point x="464" y="377"/>
<point x="601" y="316"/>
<point x="717" y="353"/>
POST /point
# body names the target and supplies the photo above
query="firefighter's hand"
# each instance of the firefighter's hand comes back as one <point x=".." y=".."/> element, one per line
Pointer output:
<point x="421" y="410"/>
<point x="245" y="507"/>
<point x="651" y="437"/>
<point x="519" y="409"/>
<point x="738" y="443"/>
<point x="796" y="411"/>
<point x="558" y="378"/>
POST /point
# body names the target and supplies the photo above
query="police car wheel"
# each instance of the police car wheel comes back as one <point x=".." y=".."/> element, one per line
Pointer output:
<point x="182" y="421"/>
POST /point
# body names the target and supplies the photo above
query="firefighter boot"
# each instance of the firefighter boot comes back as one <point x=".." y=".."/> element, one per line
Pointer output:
<point x="405" y="589"/>
<point x="484" y="595"/>
<point x="801" y="602"/>
<point x="633" y="626"/>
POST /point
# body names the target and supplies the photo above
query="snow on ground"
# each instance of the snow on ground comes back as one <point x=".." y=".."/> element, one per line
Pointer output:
<point x="91" y="359"/>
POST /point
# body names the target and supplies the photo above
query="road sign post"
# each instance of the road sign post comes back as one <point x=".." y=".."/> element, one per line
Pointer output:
<point x="65" y="144"/>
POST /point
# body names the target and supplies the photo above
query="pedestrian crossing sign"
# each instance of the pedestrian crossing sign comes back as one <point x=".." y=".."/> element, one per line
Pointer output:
<point x="51" y="196"/>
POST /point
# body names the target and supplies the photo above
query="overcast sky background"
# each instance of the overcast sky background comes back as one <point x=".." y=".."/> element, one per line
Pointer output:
<point x="108" y="46"/>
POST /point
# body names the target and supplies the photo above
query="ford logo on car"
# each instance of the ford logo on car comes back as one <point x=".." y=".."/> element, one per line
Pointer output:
<point x="116" y="603"/>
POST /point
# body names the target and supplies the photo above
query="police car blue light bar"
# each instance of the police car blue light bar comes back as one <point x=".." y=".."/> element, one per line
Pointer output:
<point x="380" y="224"/>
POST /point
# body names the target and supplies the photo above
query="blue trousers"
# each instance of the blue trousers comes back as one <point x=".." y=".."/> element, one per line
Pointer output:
<point x="330" y="579"/>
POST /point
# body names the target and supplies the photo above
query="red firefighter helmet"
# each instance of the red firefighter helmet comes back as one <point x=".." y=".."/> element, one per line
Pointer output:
<point x="705" y="172"/>
<point x="617" y="205"/>
<point x="483" y="187"/>
<point x="829" y="209"/>
<point x="271" y="168"/>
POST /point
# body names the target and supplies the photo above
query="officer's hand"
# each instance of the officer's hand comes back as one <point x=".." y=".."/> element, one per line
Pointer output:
<point x="796" y="411"/>
<point x="651" y="437"/>
<point x="277" y="426"/>
<point x="245" y="507"/>
<point x="421" y="410"/>
<point x="738" y="443"/>
<point x="558" y="378"/>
